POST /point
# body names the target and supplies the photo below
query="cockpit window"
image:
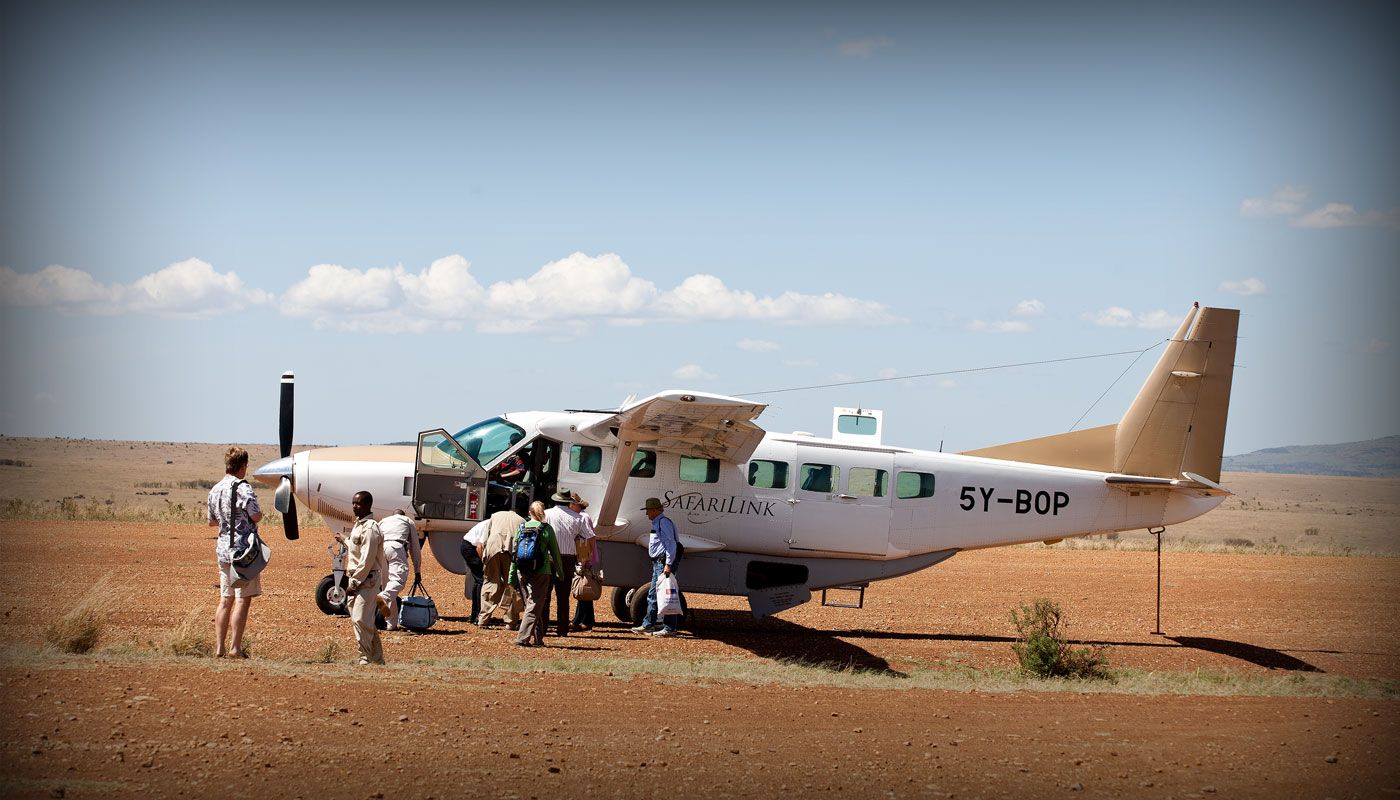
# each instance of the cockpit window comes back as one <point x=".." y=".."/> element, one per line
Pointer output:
<point x="486" y="440"/>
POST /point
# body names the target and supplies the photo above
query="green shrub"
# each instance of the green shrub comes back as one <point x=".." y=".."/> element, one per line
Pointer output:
<point x="1043" y="651"/>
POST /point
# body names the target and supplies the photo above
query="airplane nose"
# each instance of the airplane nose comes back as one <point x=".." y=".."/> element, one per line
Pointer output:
<point x="271" y="473"/>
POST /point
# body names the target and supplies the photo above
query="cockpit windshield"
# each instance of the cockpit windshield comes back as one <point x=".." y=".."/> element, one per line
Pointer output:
<point x="486" y="440"/>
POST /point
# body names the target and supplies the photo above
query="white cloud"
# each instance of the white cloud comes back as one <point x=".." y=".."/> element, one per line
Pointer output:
<point x="692" y="372"/>
<point x="888" y="372"/>
<point x="1288" y="202"/>
<point x="1029" y="308"/>
<point x="864" y="47"/>
<point x="58" y="286"/>
<point x="757" y="345"/>
<point x="562" y="297"/>
<point x="1283" y="202"/>
<point x="947" y="383"/>
<point x="999" y="326"/>
<point x="841" y="377"/>
<point x="1246" y="287"/>
<point x="1119" y="317"/>
<point x="1342" y="215"/>
<point x="189" y="289"/>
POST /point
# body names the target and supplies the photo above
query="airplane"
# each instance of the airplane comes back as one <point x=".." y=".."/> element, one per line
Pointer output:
<point x="774" y="517"/>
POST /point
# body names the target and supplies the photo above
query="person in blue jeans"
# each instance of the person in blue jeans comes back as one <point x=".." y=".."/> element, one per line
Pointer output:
<point x="661" y="547"/>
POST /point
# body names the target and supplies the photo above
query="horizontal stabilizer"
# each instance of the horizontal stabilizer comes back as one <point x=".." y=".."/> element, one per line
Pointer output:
<point x="1191" y="482"/>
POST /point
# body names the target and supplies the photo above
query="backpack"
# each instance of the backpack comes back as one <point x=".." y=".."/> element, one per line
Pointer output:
<point x="529" y="550"/>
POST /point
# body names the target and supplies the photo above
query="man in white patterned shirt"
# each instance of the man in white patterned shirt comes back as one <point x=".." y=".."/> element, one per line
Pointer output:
<point x="233" y="509"/>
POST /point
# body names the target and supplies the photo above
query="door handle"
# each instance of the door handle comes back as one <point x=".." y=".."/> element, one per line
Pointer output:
<point x="846" y="496"/>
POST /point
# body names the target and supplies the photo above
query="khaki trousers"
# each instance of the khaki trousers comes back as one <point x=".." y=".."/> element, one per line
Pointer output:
<point x="362" y="610"/>
<point x="536" y="618"/>
<point x="496" y="593"/>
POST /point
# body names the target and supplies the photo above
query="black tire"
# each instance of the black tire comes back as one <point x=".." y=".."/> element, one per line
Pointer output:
<point x="323" y="601"/>
<point x="620" y="608"/>
<point x="637" y="602"/>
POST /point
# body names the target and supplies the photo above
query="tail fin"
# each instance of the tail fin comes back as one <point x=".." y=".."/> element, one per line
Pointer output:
<point x="1177" y="422"/>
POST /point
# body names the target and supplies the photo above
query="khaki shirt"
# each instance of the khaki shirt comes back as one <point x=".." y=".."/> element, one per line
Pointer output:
<point x="366" y="551"/>
<point x="504" y="524"/>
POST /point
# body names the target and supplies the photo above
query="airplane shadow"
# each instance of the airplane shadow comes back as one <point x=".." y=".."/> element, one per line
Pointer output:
<point x="780" y="640"/>
<point x="1254" y="654"/>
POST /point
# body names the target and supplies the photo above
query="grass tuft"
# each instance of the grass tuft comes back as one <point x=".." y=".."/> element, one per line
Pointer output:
<point x="329" y="654"/>
<point x="191" y="637"/>
<point x="82" y="627"/>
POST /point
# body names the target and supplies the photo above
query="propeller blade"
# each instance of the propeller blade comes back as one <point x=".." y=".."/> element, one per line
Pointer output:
<point x="282" y="500"/>
<point x="289" y="522"/>
<point x="284" y="416"/>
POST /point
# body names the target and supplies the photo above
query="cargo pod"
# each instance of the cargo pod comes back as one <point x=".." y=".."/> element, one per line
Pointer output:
<point x="447" y="482"/>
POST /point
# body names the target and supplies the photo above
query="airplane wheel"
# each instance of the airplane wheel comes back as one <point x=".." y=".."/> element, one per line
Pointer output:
<point x="637" y="602"/>
<point x="620" y="608"/>
<point x="324" y="600"/>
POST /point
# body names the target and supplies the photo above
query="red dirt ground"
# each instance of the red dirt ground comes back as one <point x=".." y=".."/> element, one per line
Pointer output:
<point x="113" y="724"/>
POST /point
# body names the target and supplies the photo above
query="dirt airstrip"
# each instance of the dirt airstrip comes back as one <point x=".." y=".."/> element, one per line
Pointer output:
<point x="903" y="700"/>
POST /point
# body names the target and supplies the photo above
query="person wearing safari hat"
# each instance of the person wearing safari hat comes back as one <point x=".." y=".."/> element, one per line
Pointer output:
<point x="569" y="526"/>
<point x="661" y="547"/>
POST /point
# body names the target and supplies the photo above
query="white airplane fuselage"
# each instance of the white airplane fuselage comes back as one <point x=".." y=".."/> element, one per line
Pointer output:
<point x="928" y="506"/>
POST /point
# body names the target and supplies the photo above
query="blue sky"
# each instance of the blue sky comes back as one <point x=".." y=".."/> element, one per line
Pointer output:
<point x="434" y="213"/>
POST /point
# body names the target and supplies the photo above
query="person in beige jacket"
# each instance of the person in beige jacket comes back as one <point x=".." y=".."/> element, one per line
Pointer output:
<point x="496" y="556"/>
<point x="365" y="570"/>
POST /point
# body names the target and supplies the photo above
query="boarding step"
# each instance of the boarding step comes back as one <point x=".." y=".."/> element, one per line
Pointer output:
<point x="845" y="600"/>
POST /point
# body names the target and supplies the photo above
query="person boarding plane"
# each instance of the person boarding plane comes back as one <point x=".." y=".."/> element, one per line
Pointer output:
<point x="775" y="516"/>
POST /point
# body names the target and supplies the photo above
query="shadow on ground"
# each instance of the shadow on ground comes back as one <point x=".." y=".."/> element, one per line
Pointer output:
<point x="780" y="640"/>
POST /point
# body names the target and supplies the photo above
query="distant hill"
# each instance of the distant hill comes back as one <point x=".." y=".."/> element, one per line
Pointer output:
<point x="1377" y="458"/>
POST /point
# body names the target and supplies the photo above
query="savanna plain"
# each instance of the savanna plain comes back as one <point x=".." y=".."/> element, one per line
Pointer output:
<point x="1277" y="671"/>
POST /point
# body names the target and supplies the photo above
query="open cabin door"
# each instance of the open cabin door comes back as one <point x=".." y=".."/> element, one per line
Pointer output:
<point x="447" y="482"/>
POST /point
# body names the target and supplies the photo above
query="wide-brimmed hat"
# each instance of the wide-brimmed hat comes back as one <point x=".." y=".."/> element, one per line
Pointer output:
<point x="563" y="496"/>
<point x="653" y="504"/>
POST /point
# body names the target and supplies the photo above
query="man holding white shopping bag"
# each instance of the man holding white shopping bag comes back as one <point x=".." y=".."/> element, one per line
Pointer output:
<point x="661" y="547"/>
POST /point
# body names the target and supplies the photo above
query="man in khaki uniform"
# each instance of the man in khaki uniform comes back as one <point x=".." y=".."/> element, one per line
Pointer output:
<point x="496" y="556"/>
<point x="365" y="570"/>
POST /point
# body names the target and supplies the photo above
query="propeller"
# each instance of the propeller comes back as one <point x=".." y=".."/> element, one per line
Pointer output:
<point x="283" y="499"/>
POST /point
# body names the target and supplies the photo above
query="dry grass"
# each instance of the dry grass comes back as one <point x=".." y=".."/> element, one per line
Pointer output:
<point x="191" y="637"/>
<point x="81" y="628"/>
<point x="329" y="654"/>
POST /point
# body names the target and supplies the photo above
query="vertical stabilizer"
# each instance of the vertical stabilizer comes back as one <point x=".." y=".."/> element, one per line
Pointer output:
<point x="1177" y="422"/>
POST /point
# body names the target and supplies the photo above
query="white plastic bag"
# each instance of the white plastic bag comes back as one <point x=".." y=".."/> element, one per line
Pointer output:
<point x="668" y="596"/>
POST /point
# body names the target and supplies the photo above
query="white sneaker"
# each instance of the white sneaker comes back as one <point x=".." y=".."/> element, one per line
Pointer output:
<point x="663" y="633"/>
<point x="645" y="629"/>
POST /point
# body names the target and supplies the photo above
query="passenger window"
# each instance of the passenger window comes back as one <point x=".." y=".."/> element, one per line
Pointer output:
<point x="867" y="482"/>
<point x="820" y="477"/>
<point x="699" y="470"/>
<point x="913" y="484"/>
<point x="585" y="458"/>
<point x="768" y="474"/>
<point x="643" y="464"/>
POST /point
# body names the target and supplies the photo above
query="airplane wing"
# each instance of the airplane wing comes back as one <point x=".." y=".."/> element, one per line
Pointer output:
<point x="685" y="423"/>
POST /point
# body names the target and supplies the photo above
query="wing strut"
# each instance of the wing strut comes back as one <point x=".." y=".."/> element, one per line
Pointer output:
<point x="617" y="481"/>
